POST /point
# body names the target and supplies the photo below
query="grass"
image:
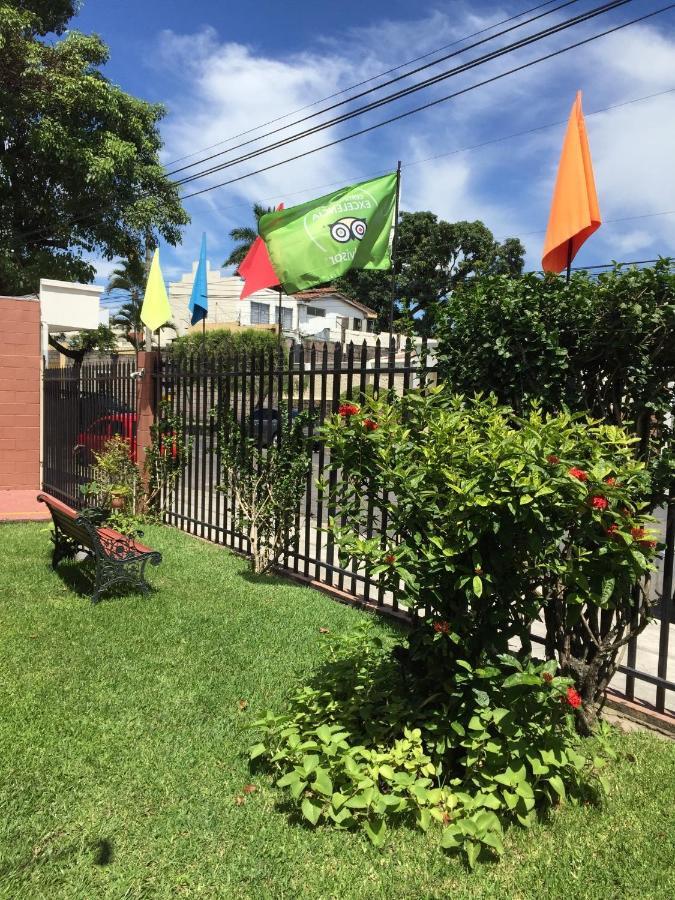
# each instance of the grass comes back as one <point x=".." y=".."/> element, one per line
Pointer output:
<point x="123" y="750"/>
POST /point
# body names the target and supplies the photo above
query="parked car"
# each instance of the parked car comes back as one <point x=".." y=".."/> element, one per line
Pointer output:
<point x="269" y="429"/>
<point x="94" y="437"/>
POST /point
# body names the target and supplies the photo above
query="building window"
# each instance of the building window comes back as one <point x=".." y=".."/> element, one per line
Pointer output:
<point x="286" y="317"/>
<point x="358" y="324"/>
<point x="370" y="325"/>
<point x="260" y="314"/>
<point x="315" y="311"/>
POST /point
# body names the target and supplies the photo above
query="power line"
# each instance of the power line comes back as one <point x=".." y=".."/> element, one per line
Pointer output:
<point x="469" y="148"/>
<point x="431" y="103"/>
<point x="471" y="64"/>
<point x="457" y="150"/>
<point x="380" y="87"/>
<point x="404" y="92"/>
<point x="361" y="83"/>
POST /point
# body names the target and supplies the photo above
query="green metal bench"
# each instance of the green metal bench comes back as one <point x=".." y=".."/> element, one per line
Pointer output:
<point x="119" y="559"/>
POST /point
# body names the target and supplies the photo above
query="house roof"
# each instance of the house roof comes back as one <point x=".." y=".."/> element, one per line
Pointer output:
<point x="322" y="292"/>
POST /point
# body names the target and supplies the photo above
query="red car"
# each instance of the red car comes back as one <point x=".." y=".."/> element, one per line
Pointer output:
<point x="123" y="424"/>
<point x="95" y="436"/>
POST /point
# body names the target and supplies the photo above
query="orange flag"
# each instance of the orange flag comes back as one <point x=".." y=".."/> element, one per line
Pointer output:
<point x="575" y="213"/>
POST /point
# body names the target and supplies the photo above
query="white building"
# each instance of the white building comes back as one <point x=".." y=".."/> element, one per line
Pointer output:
<point x="67" y="307"/>
<point x="321" y="313"/>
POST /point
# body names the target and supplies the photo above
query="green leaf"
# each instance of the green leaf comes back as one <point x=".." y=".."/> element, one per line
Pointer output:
<point x="323" y="732"/>
<point x="376" y="829"/>
<point x="558" y="785"/>
<point x="494" y="840"/>
<point x="311" y="811"/>
<point x="322" y="782"/>
<point x="424" y="819"/>
<point x="451" y="837"/>
<point x="477" y="586"/>
<point x="256" y="751"/>
<point x="518" y="679"/>
<point x="288" y="779"/>
<point x="472" y="850"/>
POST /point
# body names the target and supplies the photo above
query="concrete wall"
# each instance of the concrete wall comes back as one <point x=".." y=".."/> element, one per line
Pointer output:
<point x="20" y="394"/>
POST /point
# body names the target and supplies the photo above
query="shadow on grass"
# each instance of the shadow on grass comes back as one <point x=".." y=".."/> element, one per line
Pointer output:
<point x="80" y="578"/>
<point x="103" y="852"/>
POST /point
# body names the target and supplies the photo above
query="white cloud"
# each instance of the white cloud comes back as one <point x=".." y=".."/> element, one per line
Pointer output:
<point x="228" y="88"/>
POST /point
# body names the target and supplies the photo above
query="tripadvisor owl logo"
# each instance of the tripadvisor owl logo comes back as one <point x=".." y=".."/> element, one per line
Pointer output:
<point x="343" y="220"/>
<point x="348" y="229"/>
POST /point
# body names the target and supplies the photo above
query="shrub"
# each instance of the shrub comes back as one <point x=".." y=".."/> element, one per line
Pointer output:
<point x="493" y="519"/>
<point x="115" y="476"/>
<point x="267" y="483"/>
<point x="219" y="342"/>
<point x="597" y="345"/>
<point x="364" y="745"/>
<point x="165" y="459"/>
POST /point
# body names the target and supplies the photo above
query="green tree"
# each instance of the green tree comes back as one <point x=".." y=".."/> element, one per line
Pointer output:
<point x="79" y="165"/>
<point x="101" y="340"/>
<point x="244" y="235"/>
<point x="433" y="258"/>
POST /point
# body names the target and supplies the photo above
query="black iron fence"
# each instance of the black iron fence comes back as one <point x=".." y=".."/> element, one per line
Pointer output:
<point x="265" y="390"/>
<point x="82" y="409"/>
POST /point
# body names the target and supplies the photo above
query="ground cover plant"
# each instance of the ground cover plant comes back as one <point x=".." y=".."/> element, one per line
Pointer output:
<point x="124" y="766"/>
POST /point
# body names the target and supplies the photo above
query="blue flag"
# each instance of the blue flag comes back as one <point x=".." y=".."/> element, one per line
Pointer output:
<point x="199" y="299"/>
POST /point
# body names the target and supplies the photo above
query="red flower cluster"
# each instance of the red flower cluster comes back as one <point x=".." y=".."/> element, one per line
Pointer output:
<point x="441" y="627"/>
<point x="390" y="559"/>
<point x="648" y="545"/>
<point x="578" y="473"/>
<point x="553" y="459"/>
<point x="610" y="481"/>
<point x="547" y="677"/>
<point x="348" y="409"/>
<point x="599" y="502"/>
<point x="612" y="530"/>
<point x="638" y="533"/>
<point x="370" y="424"/>
<point x="572" y="697"/>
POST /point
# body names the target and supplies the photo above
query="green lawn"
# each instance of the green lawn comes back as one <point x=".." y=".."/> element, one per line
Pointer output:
<point x="123" y="750"/>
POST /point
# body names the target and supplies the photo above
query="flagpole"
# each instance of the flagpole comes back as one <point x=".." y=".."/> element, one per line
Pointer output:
<point x="148" y="263"/>
<point x="569" y="261"/>
<point x="393" y="253"/>
<point x="280" y="296"/>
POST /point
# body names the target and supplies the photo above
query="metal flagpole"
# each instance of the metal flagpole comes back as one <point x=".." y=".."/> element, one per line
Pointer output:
<point x="280" y="296"/>
<point x="569" y="261"/>
<point x="393" y="252"/>
<point x="148" y="263"/>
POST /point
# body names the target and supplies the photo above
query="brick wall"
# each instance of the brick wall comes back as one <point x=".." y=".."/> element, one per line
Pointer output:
<point x="19" y="394"/>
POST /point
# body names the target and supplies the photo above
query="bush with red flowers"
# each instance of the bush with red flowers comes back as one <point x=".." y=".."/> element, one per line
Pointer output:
<point x="491" y="534"/>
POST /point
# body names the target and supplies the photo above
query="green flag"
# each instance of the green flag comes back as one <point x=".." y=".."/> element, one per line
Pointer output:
<point x="317" y="241"/>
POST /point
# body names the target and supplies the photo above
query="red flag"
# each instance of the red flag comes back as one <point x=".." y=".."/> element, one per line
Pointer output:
<point x="256" y="268"/>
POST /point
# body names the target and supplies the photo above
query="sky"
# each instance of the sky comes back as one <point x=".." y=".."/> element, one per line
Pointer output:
<point x="225" y="68"/>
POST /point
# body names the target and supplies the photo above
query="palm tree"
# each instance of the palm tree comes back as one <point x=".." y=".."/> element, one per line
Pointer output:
<point x="245" y="236"/>
<point x="129" y="278"/>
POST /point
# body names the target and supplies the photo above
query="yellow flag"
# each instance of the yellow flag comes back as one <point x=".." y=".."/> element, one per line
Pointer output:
<point x="155" y="311"/>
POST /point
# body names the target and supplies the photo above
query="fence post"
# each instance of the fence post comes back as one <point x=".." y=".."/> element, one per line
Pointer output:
<point x="146" y="396"/>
